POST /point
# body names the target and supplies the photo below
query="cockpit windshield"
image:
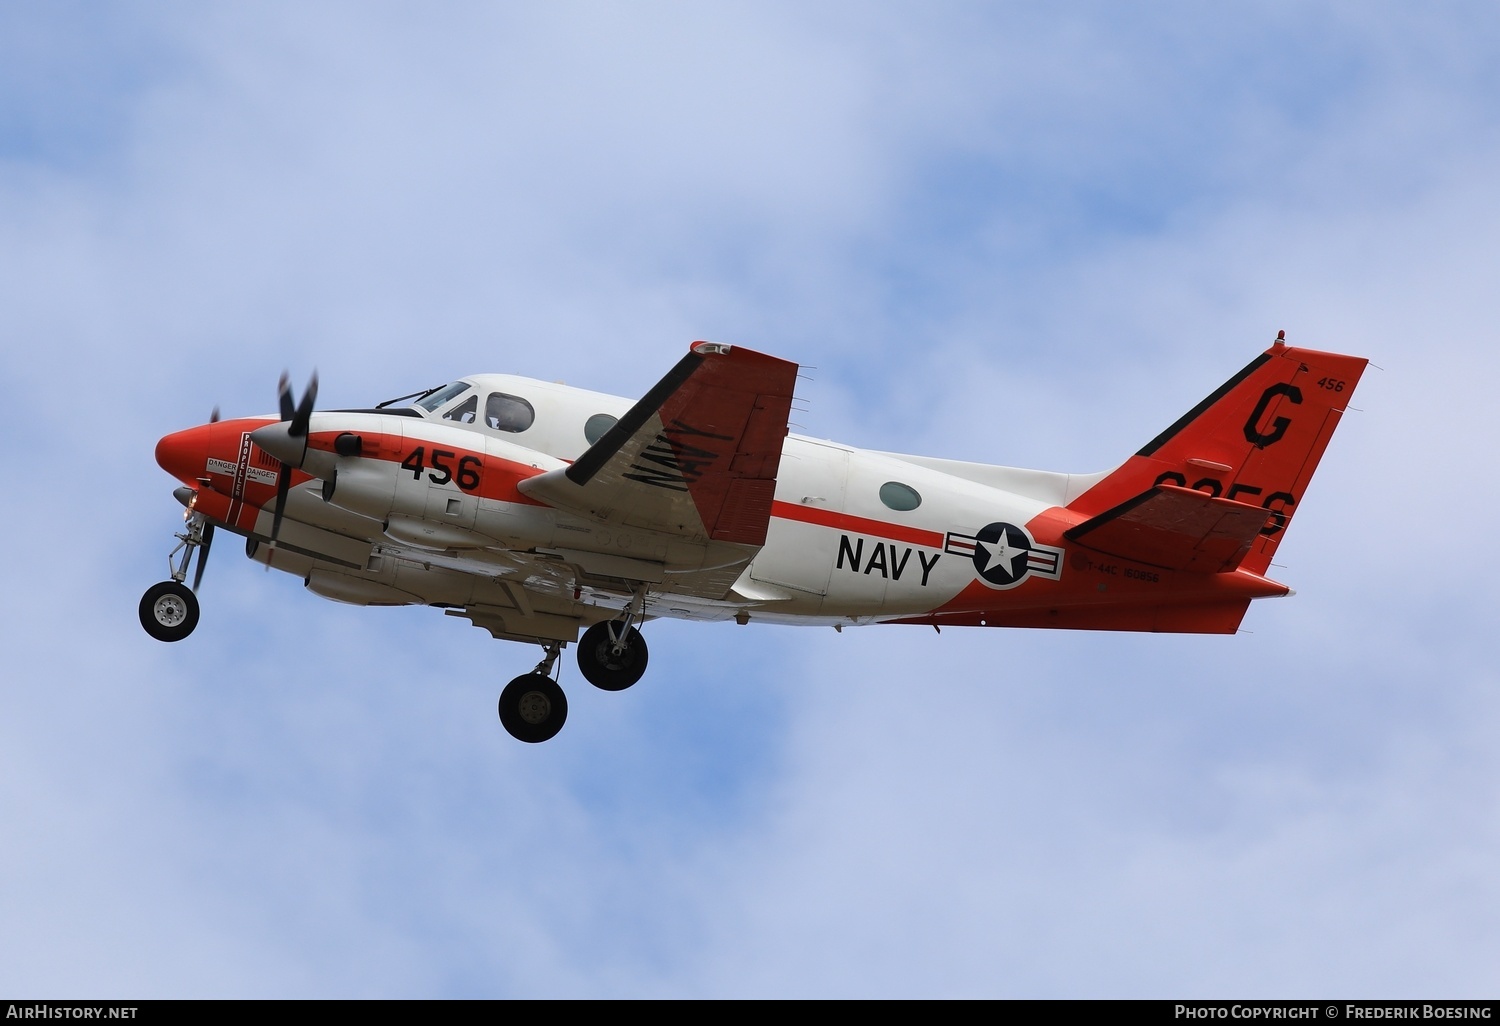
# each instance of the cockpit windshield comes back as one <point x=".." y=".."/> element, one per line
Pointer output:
<point x="432" y="402"/>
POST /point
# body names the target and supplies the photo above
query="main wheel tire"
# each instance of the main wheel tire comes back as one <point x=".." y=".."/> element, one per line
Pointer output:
<point x="533" y="708"/>
<point x="605" y="668"/>
<point x="169" y="611"/>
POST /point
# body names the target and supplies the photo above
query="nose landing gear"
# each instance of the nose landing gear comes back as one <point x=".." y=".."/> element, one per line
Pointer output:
<point x="169" y="610"/>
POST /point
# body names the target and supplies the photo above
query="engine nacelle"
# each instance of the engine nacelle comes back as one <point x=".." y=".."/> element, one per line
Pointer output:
<point x="432" y="534"/>
<point x="366" y="487"/>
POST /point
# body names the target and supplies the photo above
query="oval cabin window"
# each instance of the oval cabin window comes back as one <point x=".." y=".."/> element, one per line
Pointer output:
<point x="595" y="426"/>
<point x="899" y="497"/>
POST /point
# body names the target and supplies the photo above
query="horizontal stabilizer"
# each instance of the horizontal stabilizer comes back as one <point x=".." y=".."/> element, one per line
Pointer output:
<point x="1175" y="528"/>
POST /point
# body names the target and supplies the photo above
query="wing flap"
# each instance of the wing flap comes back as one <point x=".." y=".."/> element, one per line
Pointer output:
<point x="746" y="509"/>
<point x="515" y="625"/>
<point x="1175" y="528"/>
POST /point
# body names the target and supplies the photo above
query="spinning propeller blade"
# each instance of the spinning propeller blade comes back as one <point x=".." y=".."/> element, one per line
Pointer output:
<point x="299" y="414"/>
<point x="285" y="391"/>
<point x="208" y="539"/>
<point x="300" y="417"/>
<point x="283" y="485"/>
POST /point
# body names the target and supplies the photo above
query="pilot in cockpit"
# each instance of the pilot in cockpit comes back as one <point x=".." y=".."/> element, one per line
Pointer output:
<point x="464" y="413"/>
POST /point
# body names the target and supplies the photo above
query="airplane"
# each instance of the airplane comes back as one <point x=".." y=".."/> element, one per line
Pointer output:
<point x="553" y="515"/>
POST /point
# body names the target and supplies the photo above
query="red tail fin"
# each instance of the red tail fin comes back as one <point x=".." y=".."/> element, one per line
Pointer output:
<point x="1255" y="441"/>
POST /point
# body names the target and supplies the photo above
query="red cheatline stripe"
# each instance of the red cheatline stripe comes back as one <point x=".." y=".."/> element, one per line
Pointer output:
<point x="859" y="525"/>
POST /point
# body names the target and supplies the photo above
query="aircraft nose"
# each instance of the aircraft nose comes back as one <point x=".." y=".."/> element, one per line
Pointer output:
<point x="184" y="454"/>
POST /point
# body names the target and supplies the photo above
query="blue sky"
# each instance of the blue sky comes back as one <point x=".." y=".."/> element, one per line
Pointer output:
<point x="1019" y="233"/>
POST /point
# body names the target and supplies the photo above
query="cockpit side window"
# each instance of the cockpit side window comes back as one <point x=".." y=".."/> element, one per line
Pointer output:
<point x="442" y="395"/>
<point x="508" y="412"/>
<point x="464" y="412"/>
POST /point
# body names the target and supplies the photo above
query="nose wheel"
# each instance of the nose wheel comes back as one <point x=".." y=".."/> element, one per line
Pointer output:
<point x="169" y="611"/>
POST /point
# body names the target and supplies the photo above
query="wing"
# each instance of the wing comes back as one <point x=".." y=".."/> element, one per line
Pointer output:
<point x="696" y="458"/>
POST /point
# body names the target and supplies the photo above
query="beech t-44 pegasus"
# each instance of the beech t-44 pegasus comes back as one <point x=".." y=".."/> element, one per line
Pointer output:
<point x="554" y="515"/>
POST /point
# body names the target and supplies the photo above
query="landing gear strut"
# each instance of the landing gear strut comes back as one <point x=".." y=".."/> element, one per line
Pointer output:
<point x="169" y="610"/>
<point x="612" y="654"/>
<point x="533" y="707"/>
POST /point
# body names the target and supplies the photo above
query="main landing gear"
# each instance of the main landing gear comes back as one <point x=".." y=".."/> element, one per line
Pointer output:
<point x="612" y="656"/>
<point x="169" y="610"/>
<point x="533" y="707"/>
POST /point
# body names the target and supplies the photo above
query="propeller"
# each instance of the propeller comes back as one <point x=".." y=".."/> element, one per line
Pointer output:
<point x="299" y="415"/>
<point x="284" y="390"/>
<point x="208" y="539"/>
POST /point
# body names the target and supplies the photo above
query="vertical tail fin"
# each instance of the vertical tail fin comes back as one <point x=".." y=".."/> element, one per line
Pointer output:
<point x="1255" y="441"/>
